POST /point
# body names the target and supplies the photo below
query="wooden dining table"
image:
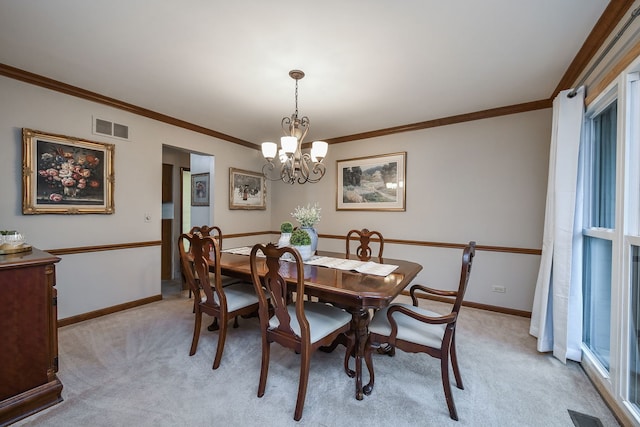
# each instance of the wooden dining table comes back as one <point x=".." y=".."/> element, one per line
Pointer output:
<point x="355" y="292"/>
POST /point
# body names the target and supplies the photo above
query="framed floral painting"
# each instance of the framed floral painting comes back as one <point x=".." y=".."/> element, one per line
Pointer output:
<point x="66" y="175"/>
<point x="247" y="190"/>
<point x="373" y="183"/>
<point x="200" y="189"/>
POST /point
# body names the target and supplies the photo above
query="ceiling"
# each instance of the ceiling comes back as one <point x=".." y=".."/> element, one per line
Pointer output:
<point x="369" y="64"/>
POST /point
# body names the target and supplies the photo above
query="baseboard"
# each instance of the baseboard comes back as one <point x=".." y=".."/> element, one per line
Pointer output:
<point x="472" y="304"/>
<point x="107" y="310"/>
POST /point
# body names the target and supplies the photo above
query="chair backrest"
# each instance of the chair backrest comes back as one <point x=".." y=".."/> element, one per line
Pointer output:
<point x="465" y="271"/>
<point x="363" y="251"/>
<point x="276" y="287"/>
<point x="203" y="252"/>
<point x="205" y="230"/>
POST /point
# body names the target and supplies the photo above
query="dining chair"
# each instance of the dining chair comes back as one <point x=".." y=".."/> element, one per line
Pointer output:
<point x="211" y="297"/>
<point x="297" y="324"/>
<point x="363" y="251"/>
<point x="416" y="330"/>
<point x="204" y="230"/>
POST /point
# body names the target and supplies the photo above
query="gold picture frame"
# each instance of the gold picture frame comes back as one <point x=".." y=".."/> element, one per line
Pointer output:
<point x="247" y="190"/>
<point x="66" y="175"/>
<point x="373" y="183"/>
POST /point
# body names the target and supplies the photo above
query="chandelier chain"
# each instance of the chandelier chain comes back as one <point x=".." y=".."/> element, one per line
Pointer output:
<point x="296" y="97"/>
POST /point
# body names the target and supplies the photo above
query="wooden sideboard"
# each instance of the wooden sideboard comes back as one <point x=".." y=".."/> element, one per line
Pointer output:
<point x="28" y="335"/>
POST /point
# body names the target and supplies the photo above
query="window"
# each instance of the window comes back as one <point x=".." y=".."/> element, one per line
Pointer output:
<point x="632" y="239"/>
<point x="603" y="162"/>
<point x="634" y="349"/>
<point x="600" y="188"/>
<point x="597" y="298"/>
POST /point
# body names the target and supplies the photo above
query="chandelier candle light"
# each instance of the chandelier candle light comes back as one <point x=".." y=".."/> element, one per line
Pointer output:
<point x="296" y="166"/>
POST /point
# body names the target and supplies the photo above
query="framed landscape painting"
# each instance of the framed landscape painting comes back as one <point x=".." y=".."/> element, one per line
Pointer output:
<point x="247" y="190"/>
<point x="374" y="183"/>
<point x="66" y="175"/>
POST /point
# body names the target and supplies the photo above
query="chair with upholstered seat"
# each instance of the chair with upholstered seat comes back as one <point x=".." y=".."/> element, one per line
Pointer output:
<point x="203" y="230"/>
<point x="416" y="330"/>
<point x="211" y="297"/>
<point x="363" y="251"/>
<point x="214" y="231"/>
<point x="303" y="326"/>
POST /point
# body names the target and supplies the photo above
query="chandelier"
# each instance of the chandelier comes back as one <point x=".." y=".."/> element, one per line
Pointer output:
<point x="296" y="166"/>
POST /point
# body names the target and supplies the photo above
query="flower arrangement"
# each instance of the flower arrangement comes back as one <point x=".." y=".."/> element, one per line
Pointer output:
<point x="307" y="216"/>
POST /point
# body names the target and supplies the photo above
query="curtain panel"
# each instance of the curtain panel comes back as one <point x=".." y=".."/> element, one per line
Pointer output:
<point x="556" y="318"/>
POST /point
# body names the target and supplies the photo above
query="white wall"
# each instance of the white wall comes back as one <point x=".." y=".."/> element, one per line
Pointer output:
<point x="483" y="180"/>
<point x="97" y="280"/>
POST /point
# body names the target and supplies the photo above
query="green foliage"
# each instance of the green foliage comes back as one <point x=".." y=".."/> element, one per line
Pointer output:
<point x="286" y="227"/>
<point x="300" y="238"/>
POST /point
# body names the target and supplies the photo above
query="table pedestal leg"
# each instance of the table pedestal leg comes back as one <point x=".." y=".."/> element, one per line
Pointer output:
<point x="360" y="327"/>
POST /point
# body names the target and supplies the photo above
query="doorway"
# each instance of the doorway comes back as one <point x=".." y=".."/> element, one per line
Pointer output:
<point x="178" y="216"/>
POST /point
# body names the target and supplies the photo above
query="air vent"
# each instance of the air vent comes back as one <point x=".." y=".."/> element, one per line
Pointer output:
<point x="105" y="127"/>
<point x="121" y="131"/>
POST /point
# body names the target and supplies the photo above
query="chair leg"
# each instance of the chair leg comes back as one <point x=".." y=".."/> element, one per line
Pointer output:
<point x="196" y="332"/>
<point x="305" y="361"/>
<point x="444" y="367"/>
<point x="264" y="368"/>
<point x="222" y="336"/>
<point x="454" y="363"/>
<point x="235" y="322"/>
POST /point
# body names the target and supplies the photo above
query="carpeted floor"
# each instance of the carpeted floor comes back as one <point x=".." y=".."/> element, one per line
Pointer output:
<point x="133" y="369"/>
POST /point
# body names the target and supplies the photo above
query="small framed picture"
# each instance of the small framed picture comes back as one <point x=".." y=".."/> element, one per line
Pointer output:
<point x="66" y="175"/>
<point x="247" y="190"/>
<point x="374" y="183"/>
<point x="200" y="189"/>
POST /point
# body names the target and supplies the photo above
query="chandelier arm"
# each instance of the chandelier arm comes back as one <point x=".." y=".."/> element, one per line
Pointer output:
<point x="286" y="175"/>
<point x="286" y="125"/>
<point x="311" y="174"/>
<point x="304" y="124"/>
<point x="267" y="172"/>
<point x="318" y="169"/>
<point x="304" y="161"/>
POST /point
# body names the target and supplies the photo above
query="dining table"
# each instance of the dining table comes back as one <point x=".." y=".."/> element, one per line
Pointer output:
<point x="355" y="292"/>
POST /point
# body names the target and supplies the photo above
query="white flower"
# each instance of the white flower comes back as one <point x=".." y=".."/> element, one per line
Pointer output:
<point x="307" y="216"/>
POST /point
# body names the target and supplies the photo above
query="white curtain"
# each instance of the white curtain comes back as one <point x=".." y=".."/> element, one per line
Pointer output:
<point x="556" y="318"/>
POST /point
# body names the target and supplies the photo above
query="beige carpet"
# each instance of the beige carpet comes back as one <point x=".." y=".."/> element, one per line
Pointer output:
<point x="133" y="369"/>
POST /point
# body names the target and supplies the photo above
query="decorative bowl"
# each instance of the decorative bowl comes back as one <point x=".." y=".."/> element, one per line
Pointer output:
<point x="11" y="240"/>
